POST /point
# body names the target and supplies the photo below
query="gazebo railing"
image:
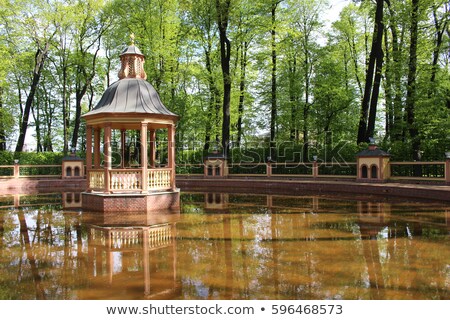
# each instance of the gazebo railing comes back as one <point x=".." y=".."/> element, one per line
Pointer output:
<point x="96" y="179"/>
<point x="125" y="179"/>
<point x="130" y="179"/>
<point x="159" y="178"/>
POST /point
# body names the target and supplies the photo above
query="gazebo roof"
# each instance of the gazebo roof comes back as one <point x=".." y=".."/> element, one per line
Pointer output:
<point x="131" y="95"/>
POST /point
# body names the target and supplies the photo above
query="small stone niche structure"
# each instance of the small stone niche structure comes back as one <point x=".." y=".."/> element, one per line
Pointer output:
<point x="72" y="167"/>
<point x="373" y="164"/>
<point x="216" y="166"/>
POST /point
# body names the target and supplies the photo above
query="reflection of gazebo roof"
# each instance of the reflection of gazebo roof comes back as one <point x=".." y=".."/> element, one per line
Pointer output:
<point x="131" y="95"/>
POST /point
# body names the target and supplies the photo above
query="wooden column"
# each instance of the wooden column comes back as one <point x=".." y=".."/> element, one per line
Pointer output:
<point x="152" y="148"/>
<point x="97" y="148"/>
<point x="269" y="169"/>
<point x="447" y="171"/>
<point x="122" y="147"/>
<point x="171" y="154"/>
<point x="144" y="160"/>
<point x="146" y="261"/>
<point x="88" y="148"/>
<point x="107" y="153"/>
<point x="315" y="169"/>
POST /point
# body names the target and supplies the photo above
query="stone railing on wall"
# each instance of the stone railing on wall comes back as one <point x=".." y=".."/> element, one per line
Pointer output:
<point x="421" y="171"/>
<point x="159" y="178"/>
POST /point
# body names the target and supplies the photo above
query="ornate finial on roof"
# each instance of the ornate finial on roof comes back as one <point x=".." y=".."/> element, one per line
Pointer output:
<point x="132" y="62"/>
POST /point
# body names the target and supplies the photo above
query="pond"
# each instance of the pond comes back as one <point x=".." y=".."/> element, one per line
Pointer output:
<point x="226" y="246"/>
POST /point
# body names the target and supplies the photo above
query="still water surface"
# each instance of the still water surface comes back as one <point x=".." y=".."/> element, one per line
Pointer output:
<point x="226" y="246"/>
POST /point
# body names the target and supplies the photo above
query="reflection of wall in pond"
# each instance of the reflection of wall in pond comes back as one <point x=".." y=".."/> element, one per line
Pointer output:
<point x="140" y="261"/>
<point x="447" y="218"/>
<point x="372" y="217"/>
<point x="71" y="200"/>
<point x="217" y="201"/>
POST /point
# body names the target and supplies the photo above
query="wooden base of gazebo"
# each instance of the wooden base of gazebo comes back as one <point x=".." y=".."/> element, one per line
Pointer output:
<point x="122" y="202"/>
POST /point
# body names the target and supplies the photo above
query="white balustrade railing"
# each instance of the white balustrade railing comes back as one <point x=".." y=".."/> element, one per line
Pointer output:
<point x="126" y="180"/>
<point x="159" y="236"/>
<point x="123" y="238"/>
<point x="97" y="179"/>
<point x="159" y="178"/>
<point x="132" y="237"/>
<point x="130" y="180"/>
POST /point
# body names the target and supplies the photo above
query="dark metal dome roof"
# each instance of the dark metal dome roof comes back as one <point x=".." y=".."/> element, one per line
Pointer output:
<point x="132" y="49"/>
<point x="130" y="95"/>
<point x="372" y="153"/>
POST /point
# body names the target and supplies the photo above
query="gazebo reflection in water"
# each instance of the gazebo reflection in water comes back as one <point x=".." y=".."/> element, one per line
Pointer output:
<point x="133" y="254"/>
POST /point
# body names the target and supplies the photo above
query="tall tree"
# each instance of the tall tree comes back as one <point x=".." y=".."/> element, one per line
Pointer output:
<point x="223" y="11"/>
<point x="373" y="79"/>
<point x="203" y="19"/>
<point x="42" y="47"/>
<point x="89" y="32"/>
<point x="307" y="17"/>
<point x="273" y="100"/>
<point x="411" y="86"/>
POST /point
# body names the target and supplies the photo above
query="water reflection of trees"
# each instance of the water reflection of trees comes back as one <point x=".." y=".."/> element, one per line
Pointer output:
<point x="314" y="248"/>
<point x="273" y="247"/>
<point x="45" y="253"/>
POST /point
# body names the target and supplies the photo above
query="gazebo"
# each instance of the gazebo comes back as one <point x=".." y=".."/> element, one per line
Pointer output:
<point x="123" y="172"/>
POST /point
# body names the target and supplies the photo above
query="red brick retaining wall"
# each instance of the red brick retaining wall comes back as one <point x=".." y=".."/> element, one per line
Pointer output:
<point x="130" y="202"/>
<point x="254" y="185"/>
<point x="24" y="185"/>
<point x="297" y="187"/>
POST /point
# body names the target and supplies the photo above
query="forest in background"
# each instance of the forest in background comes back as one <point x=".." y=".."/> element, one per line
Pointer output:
<point x="243" y="75"/>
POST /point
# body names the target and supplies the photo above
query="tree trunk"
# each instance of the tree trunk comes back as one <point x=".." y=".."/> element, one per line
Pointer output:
<point x="376" y="89"/>
<point x="79" y="94"/>
<point x="213" y="97"/>
<point x="39" y="60"/>
<point x="411" y="87"/>
<point x="388" y="89"/>
<point x="223" y="9"/>
<point x="65" y="107"/>
<point x="37" y="121"/>
<point x="2" y="125"/>
<point x="83" y="83"/>
<point x="241" y="92"/>
<point x="273" y="113"/>
<point x="440" y="27"/>
<point x="374" y="55"/>
<point x="397" y="123"/>
<point x="293" y="99"/>
<point x="307" y="75"/>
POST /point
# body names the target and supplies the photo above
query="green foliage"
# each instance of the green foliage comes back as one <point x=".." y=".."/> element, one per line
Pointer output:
<point x="31" y="158"/>
<point x="319" y="75"/>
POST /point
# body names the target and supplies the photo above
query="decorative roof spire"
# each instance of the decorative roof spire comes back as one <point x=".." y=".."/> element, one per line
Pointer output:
<point x="132" y="62"/>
